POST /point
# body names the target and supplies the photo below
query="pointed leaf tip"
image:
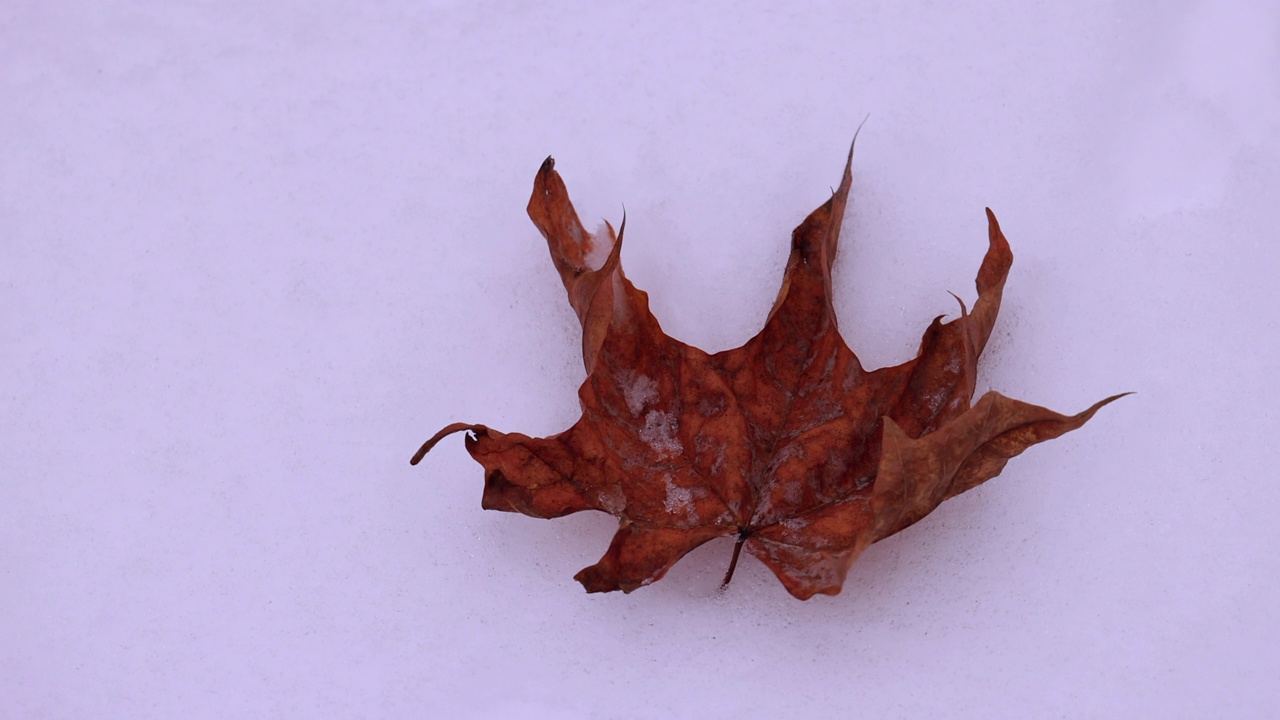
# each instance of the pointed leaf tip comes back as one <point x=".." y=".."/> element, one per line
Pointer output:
<point x="856" y="131"/>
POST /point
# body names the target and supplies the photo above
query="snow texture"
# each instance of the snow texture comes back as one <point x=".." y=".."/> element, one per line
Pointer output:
<point x="252" y="254"/>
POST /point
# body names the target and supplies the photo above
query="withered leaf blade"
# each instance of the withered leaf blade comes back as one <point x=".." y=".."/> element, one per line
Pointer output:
<point x="785" y="443"/>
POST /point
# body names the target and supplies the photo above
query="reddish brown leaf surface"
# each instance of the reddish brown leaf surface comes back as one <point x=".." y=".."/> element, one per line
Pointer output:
<point x="785" y="443"/>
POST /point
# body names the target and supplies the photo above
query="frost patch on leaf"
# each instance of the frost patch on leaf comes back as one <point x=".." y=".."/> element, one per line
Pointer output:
<point x="659" y="433"/>
<point x="795" y="524"/>
<point x="705" y="444"/>
<point x="612" y="499"/>
<point x="679" y="501"/>
<point x="935" y="401"/>
<point x="638" y="390"/>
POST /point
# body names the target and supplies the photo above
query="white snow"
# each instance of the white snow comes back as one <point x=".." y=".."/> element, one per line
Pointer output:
<point x="601" y="246"/>
<point x="252" y="255"/>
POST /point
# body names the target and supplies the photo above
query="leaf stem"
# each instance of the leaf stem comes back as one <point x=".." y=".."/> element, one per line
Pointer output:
<point x="733" y="562"/>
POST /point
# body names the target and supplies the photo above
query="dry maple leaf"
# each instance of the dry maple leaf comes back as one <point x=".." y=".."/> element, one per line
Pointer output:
<point x="786" y="443"/>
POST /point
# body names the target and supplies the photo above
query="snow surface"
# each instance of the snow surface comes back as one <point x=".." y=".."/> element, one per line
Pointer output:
<point x="253" y="254"/>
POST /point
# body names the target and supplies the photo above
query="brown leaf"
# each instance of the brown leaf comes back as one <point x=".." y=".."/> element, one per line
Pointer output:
<point x="786" y="443"/>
